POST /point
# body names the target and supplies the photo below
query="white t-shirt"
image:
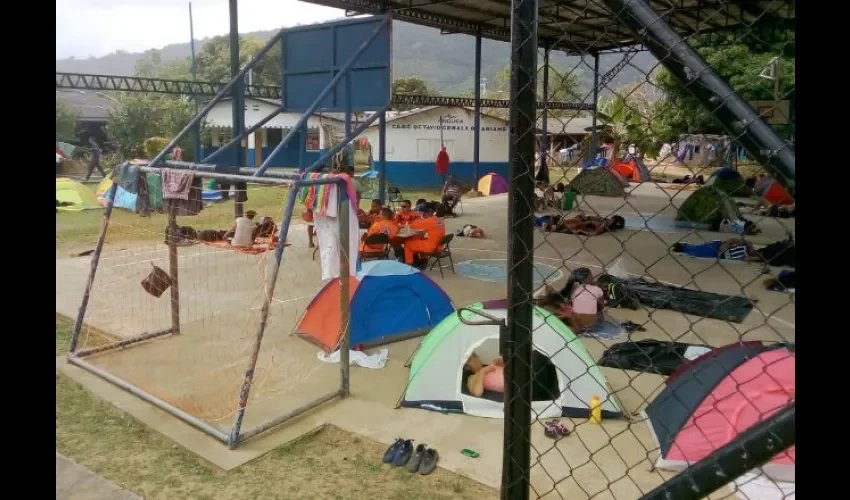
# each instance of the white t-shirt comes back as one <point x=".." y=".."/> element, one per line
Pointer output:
<point x="243" y="236"/>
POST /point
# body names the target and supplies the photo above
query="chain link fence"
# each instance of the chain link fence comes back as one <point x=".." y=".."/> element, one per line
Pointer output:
<point x="670" y="214"/>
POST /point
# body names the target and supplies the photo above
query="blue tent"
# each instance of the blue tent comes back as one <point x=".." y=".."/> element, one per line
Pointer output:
<point x="390" y="301"/>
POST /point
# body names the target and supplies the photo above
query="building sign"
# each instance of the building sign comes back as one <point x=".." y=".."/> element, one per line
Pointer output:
<point x="449" y="123"/>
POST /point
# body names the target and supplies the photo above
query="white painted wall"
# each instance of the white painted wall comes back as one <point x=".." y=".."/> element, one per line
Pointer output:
<point x="221" y="116"/>
<point x="417" y="137"/>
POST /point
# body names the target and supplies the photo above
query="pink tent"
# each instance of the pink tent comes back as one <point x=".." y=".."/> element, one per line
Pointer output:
<point x="716" y="399"/>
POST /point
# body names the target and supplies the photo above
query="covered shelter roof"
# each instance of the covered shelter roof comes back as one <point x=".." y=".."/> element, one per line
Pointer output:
<point x="578" y="25"/>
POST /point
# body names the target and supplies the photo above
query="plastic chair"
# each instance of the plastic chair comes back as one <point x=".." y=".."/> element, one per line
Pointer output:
<point x="375" y="240"/>
<point x="443" y="252"/>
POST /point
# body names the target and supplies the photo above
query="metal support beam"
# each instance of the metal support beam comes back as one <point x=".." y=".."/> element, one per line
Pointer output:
<point x="733" y="112"/>
<point x="476" y="133"/>
<point x="181" y="87"/>
<point x="238" y="139"/>
<point x="337" y="148"/>
<point x="237" y="100"/>
<point x="515" y="341"/>
<point x="594" y="139"/>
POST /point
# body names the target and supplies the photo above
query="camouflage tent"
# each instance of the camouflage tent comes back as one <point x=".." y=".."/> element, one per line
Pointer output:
<point x="708" y="205"/>
<point x="599" y="181"/>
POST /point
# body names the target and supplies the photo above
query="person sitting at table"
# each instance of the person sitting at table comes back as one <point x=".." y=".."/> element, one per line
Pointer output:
<point x="429" y="231"/>
<point x="384" y="225"/>
<point x="375" y="210"/>
<point x="406" y="215"/>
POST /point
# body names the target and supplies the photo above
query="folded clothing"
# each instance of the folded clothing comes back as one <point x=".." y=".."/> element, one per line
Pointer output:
<point x="176" y="184"/>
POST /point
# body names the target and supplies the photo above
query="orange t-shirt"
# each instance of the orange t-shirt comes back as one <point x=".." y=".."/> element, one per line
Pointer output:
<point x="406" y="218"/>
<point x="387" y="227"/>
<point x="434" y="227"/>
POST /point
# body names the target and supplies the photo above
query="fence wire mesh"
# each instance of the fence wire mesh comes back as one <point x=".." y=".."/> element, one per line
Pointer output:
<point x="670" y="216"/>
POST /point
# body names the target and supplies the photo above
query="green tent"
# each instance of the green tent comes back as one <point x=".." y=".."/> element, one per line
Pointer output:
<point x="599" y="181"/>
<point x="436" y="380"/>
<point x="708" y="205"/>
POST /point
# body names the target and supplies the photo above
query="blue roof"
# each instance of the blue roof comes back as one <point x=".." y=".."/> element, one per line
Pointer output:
<point x="385" y="268"/>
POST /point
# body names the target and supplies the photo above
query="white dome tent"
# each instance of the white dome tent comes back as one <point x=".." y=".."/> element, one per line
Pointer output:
<point x="437" y="369"/>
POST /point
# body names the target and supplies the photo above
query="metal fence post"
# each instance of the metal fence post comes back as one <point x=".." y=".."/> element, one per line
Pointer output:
<point x="344" y="289"/>
<point x="516" y="348"/>
<point x="95" y="261"/>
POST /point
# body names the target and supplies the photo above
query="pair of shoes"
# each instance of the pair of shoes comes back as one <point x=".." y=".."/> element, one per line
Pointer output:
<point x="424" y="460"/>
<point x="397" y="452"/>
<point x="554" y="429"/>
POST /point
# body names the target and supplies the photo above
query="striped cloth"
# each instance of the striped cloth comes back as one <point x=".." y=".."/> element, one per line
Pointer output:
<point x="315" y="198"/>
<point x="736" y="252"/>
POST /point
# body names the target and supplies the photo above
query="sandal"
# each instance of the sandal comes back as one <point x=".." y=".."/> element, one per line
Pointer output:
<point x="560" y="428"/>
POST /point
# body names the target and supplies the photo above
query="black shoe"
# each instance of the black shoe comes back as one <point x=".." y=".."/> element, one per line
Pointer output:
<point x="429" y="461"/>
<point x="677" y="247"/>
<point x="403" y="453"/>
<point x="391" y="451"/>
<point x="416" y="458"/>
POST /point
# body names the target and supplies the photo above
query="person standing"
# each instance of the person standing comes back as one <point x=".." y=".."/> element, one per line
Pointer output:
<point x="94" y="161"/>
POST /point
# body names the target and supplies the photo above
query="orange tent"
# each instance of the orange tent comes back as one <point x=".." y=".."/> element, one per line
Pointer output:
<point x="631" y="169"/>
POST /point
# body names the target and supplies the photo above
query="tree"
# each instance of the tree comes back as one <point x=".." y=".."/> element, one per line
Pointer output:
<point x="564" y="86"/>
<point x="629" y="116"/>
<point x="138" y="117"/>
<point x="66" y="121"/>
<point x="740" y="63"/>
<point x="412" y="85"/>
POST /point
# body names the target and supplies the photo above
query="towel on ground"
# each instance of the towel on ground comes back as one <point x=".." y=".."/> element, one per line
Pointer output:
<point x="359" y="358"/>
<point x="176" y="184"/>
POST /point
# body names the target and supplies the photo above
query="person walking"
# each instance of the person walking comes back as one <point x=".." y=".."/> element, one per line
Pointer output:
<point x="94" y="161"/>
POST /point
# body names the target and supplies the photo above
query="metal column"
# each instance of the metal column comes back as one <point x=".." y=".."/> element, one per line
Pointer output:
<point x="476" y="134"/>
<point x="515" y="340"/>
<point x="594" y="140"/>
<point x="543" y="175"/>
<point x="734" y="113"/>
<point x="238" y="100"/>
<point x="382" y="157"/>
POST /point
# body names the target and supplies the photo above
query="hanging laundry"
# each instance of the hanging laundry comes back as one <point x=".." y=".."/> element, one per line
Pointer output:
<point x="127" y="176"/>
<point x="192" y="205"/>
<point x="323" y="200"/>
<point x="176" y="184"/>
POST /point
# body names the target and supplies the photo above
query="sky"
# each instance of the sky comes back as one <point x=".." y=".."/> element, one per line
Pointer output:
<point x="94" y="28"/>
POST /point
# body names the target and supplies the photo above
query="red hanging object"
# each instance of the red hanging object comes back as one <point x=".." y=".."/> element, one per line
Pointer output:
<point x="364" y="142"/>
<point x="442" y="161"/>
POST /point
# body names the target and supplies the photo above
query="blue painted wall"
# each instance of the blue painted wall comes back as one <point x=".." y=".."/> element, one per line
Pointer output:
<point x="423" y="175"/>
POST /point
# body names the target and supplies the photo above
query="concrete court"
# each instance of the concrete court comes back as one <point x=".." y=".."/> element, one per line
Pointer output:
<point x="75" y="482"/>
<point x="214" y="348"/>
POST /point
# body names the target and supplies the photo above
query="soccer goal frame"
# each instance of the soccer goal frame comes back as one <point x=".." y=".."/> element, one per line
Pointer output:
<point x="236" y="435"/>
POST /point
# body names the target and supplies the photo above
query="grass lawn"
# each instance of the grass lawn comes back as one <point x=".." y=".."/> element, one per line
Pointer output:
<point x="331" y="464"/>
<point x="78" y="231"/>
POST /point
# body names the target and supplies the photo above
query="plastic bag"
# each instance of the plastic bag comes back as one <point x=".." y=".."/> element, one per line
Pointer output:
<point x="618" y="269"/>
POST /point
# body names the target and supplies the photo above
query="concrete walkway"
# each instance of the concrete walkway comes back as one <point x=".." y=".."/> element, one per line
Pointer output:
<point x="74" y="482"/>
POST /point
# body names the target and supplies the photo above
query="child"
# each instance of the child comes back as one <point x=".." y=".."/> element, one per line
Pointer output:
<point x="583" y="301"/>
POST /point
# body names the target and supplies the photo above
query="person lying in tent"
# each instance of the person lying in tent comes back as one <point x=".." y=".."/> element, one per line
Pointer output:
<point x="431" y="229"/>
<point x="384" y="225"/>
<point x="481" y="377"/>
